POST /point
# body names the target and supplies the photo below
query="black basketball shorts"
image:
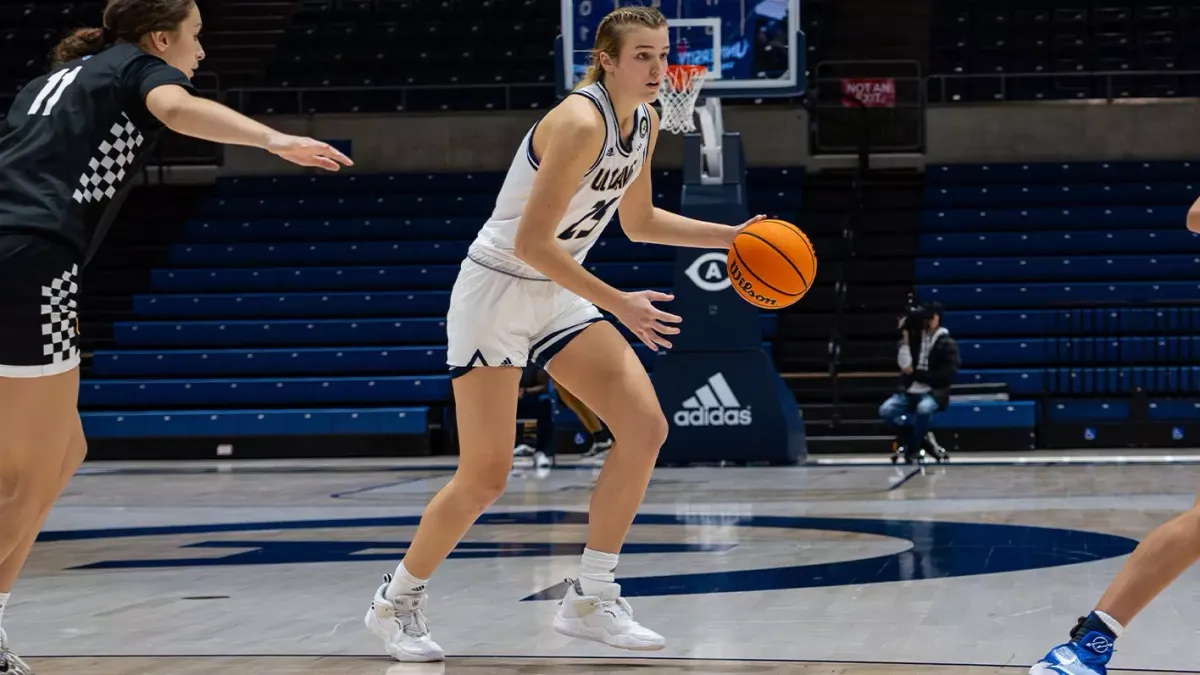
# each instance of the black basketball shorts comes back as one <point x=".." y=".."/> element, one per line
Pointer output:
<point x="39" y="296"/>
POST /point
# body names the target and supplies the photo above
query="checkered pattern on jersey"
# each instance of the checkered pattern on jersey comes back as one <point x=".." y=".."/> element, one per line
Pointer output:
<point x="59" y="314"/>
<point x="107" y="169"/>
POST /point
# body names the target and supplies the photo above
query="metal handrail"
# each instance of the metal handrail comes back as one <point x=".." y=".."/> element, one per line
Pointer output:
<point x="1108" y="75"/>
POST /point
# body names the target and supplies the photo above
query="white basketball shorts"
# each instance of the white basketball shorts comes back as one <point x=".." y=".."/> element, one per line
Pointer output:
<point x="498" y="319"/>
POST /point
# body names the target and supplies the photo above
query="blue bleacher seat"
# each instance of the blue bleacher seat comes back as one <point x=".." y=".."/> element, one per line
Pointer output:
<point x="280" y="332"/>
<point x="391" y="359"/>
<point x="322" y="229"/>
<point x="409" y="277"/>
<point x="972" y="296"/>
<point x="1102" y="218"/>
<point x="167" y="393"/>
<point x="377" y="253"/>
<point x="232" y="424"/>
<point x="1040" y="243"/>
<point x="1051" y="268"/>
<point x="291" y="305"/>
<point x="1106" y="321"/>
<point x="1060" y="172"/>
<point x="1077" y="194"/>
<point x="987" y="415"/>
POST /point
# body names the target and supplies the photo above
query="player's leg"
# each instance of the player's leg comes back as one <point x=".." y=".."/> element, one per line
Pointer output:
<point x="1156" y="563"/>
<point x="487" y="326"/>
<point x="486" y="405"/>
<point x="10" y="567"/>
<point x="37" y="416"/>
<point x="600" y="368"/>
<point x="39" y="393"/>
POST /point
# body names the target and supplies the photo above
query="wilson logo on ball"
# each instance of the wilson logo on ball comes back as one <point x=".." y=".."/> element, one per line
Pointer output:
<point x="746" y="287"/>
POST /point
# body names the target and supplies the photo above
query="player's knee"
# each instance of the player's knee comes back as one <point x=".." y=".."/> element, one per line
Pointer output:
<point x="76" y="453"/>
<point x="26" y="488"/>
<point x="646" y="430"/>
<point x="483" y="485"/>
<point x="1193" y="520"/>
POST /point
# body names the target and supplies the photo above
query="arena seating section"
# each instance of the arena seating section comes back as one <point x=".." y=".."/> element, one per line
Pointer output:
<point x="396" y="43"/>
<point x="303" y="305"/>
<point x="1066" y="41"/>
<point x="1070" y="283"/>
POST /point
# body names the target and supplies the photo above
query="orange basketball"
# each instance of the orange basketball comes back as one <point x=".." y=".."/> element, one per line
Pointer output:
<point x="772" y="264"/>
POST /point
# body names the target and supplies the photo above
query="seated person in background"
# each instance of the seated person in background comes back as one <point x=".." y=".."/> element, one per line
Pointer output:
<point x="534" y="402"/>
<point x="602" y="438"/>
<point x="929" y="360"/>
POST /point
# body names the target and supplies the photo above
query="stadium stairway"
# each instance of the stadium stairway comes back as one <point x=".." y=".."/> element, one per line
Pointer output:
<point x="307" y="313"/>
<point x="840" y="363"/>
<point x="241" y="37"/>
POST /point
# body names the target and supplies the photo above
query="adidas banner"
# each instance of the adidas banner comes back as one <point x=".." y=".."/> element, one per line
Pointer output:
<point x="727" y="407"/>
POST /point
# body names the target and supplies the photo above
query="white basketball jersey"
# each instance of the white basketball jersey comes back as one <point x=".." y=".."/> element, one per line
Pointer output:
<point x="595" y="200"/>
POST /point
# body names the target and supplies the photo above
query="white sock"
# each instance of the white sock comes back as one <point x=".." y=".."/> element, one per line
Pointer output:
<point x="1113" y="625"/>
<point x="404" y="583"/>
<point x="597" y="571"/>
<point x="3" y="604"/>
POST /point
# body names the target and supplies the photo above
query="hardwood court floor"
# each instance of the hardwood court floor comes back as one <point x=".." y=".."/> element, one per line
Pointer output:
<point x="363" y="666"/>
<point x="268" y="568"/>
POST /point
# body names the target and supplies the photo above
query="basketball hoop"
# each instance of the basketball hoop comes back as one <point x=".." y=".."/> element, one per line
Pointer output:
<point x="678" y="94"/>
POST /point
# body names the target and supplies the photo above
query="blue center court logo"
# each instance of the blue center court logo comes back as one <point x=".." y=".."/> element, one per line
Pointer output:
<point x="937" y="549"/>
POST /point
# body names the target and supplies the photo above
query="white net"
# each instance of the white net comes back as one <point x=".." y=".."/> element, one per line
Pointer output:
<point x="677" y="96"/>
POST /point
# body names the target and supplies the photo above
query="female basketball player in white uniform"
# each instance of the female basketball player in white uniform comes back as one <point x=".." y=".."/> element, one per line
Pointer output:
<point x="522" y="294"/>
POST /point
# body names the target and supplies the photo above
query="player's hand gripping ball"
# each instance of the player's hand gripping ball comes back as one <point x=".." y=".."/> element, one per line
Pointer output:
<point x="772" y="263"/>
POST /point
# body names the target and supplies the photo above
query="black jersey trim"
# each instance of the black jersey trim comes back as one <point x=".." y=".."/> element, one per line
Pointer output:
<point x="529" y="153"/>
<point x="646" y="149"/>
<point x="621" y="146"/>
<point x="596" y="102"/>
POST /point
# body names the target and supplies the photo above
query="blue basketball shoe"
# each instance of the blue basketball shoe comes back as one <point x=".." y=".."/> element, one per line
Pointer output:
<point x="1086" y="654"/>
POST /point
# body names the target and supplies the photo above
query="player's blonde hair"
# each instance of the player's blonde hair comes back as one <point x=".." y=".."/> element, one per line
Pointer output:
<point x="611" y="34"/>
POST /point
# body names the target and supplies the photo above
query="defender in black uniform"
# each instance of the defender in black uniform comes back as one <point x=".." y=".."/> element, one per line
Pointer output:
<point x="69" y="149"/>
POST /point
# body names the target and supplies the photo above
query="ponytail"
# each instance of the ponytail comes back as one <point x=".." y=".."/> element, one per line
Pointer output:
<point x="83" y="42"/>
<point x="594" y="74"/>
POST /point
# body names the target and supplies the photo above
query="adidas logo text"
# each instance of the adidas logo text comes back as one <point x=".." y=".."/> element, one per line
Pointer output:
<point x="714" y="405"/>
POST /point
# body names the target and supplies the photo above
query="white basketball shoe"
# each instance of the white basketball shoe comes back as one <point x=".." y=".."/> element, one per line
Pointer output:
<point x="402" y="626"/>
<point x="606" y="618"/>
<point x="10" y="663"/>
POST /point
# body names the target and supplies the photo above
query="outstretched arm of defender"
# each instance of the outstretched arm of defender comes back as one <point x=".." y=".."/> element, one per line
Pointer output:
<point x="201" y="118"/>
<point x="644" y="222"/>
<point x="571" y="138"/>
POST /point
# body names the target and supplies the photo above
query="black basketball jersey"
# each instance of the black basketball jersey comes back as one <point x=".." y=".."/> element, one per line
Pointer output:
<point x="73" y="140"/>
